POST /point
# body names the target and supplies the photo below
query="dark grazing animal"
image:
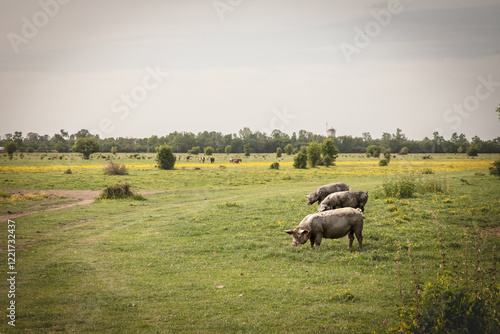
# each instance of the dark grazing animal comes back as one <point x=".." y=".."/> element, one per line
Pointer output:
<point x="344" y="199"/>
<point x="320" y="193"/>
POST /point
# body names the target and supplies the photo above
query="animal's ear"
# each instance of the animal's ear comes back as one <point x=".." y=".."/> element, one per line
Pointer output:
<point x="289" y="231"/>
<point x="305" y="232"/>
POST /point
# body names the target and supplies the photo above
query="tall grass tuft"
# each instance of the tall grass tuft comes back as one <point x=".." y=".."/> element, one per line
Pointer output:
<point x="114" y="169"/>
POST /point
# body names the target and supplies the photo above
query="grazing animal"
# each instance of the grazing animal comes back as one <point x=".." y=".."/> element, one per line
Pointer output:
<point x="320" y="193"/>
<point x="212" y="160"/>
<point x="332" y="224"/>
<point x="235" y="160"/>
<point x="344" y="199"/>
<point x="188" y="157"/>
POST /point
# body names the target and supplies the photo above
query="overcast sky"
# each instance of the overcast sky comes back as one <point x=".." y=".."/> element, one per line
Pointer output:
<point x="138" y="68"/>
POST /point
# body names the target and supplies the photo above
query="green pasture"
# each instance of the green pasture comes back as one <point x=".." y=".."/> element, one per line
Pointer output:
<point x="208" y="254"/>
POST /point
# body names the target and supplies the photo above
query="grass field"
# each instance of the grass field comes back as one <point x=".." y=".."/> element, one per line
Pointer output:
<point x="208" y="254"/>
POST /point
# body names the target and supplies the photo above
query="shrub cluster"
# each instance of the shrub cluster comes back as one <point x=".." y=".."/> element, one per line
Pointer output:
<point x="458" y="301"/>
<point x="275" y="165"/>
<point x="114" y="169"/>
<point x="119" y="191"/>
<point x="495" y="168"/>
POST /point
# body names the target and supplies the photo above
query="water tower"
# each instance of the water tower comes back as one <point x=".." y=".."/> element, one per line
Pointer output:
<point x="330" y="132"/>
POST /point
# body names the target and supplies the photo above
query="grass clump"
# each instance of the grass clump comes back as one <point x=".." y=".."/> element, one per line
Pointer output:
<point x="4" y="194"/>
<point x="119" y="191"/>
<point x="407" y="186"/>
<point x="115" y="169"/>
<point x="68" y="171"/>
<point x="275" y="165"/>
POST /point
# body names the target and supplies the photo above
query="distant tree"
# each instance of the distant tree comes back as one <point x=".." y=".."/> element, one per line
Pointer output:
<point x="328" y="149"/>
<point x="10" y="148"/>
<point x="472" y="151"/>
<point x="246" y="148"/>
<point x="374" y="151"/>
<point x="404" y="151"/>
<point x="165" y="157"/>
<point x="279" y="151"/>
<point x="195" y="150"/>
<point x="228" y="149"/>
<point x="300" y="160"/>
<point x="209" y="150"/>
<point x="83" y="133"/>
<point x="387" y="156"/>
<point x="18" y="138"/>
<point x="86" y="146"/>
<point x="289" y="149"/>
<point x="498" y="111"/>
<point x="313" y="154"/>
<point x="62" y="147"/>
<point x="114" y="149"/>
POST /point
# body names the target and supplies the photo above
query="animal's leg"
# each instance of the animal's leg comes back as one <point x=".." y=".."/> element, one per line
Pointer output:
<point x="359" y="236"/>
<point x="351" y="238"/>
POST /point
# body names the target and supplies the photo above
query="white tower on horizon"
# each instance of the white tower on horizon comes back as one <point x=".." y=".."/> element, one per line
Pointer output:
<point x="330" y="132"/>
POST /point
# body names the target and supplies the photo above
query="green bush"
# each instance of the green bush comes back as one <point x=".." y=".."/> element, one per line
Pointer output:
<point x="314" y="153"/>
<point x="68" y="171"/>
<point x="404" y="151"/>
<point x="472" y="151"/>
<point x="327" y="161"/>
<point x="300" y="160"/>
<point x="114" y="169"/>
<point x="374" y="151"/>
<point x="457" y="301"/>
<point x="10" y="148"/>
<point x="86" y="146"/>
<point x="383" y="162"/>
<point x="279" y="152"/>
<point x="246" y="148"/>
<point x="289" y="149"/>
<point x="447" y="308"/>
<point x="495" y="168"/>
<point x="195" y="150"/>
<point x="228" y="149"/>
<point x="208" y="150"/>
<point x="165" y="157"/>
<point x="275" y="165"/>
<point x="119" y="191"/>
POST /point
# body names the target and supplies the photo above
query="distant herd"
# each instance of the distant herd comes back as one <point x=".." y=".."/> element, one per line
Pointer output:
<point x="211" y="159"/>
<point x="339" y="214"/>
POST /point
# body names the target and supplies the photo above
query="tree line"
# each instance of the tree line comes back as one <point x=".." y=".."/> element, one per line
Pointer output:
<point x="249" y="141"/>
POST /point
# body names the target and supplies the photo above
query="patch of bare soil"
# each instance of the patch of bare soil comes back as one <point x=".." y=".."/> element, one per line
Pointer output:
<point x="493" y="230"/>
<point x="80" y="197"/>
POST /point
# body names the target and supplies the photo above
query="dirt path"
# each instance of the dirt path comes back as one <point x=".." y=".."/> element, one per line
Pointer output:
<point x="82" y="197"/>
